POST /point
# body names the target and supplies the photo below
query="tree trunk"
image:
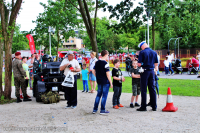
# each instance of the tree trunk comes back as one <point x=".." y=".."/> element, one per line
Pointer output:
<point x="88" y="24"/>
<point x="8" y="26"/>
<point x="8" y="69"/>
<point x="1" y="66"/>
<point x="153" y="32"/>
<point x="58" y="36"/>
<point x="128" y="49"/>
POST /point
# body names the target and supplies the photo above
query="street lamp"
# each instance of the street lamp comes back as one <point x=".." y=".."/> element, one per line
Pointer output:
<point x="148" y="12"/>
<point x="50" y="31"/>
<point x="178" y="46"/>
<point x="169" y="41"/>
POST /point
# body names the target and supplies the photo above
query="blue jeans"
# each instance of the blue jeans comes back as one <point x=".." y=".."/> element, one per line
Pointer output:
<point x="158" y="73"/>
<point x="103" y="89"/>
<point x="85" y="84"/>
<point x="170" y="67"/>
<point x="166" y="70"/>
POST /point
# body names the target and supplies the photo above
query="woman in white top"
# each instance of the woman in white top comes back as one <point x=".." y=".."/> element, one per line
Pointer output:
<point x="92" y="78"/>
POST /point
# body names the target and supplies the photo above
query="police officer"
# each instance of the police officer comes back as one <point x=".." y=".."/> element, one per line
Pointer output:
<point x="148" y="61"/>
<point x="19" y="78"/>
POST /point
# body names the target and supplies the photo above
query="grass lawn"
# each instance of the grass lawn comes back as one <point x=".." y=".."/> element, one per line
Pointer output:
<point x="178" y="86"/>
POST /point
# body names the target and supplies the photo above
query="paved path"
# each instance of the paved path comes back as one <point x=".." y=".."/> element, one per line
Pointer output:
<point x="175" y="76"/>
<point x="36" y="117"/>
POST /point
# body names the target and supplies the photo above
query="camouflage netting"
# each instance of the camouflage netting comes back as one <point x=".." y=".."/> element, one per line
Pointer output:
<point x="50" y="97"/>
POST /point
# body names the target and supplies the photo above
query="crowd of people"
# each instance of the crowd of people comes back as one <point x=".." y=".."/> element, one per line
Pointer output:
<point x="99" y="71"/>
<point x="144" y="72"/>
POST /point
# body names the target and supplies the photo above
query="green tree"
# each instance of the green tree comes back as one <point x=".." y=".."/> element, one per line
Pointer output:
<point x="129" y="19"/>
<point x="106" y="39"/>
<point x="20" y="42"/>
<point x="60" y="15"/>
<point x="182" y="21"/>
<point x="130" y="40"/>
<point x="9" y="14"/>
<point x="85" y="7"/>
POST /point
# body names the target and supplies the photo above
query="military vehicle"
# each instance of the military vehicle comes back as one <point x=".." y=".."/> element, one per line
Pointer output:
<point x="47" y="77"/>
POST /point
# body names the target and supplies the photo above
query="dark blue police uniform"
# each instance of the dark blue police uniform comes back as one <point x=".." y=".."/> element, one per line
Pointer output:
<point x="147" y="58"/>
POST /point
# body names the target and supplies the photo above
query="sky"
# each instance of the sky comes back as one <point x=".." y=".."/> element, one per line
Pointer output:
<point x="31" y="9"/>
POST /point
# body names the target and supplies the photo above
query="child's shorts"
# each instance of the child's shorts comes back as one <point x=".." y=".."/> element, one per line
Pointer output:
<point x="136" y="89"/>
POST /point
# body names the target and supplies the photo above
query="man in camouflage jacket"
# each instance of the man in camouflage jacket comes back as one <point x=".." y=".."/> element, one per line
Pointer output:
<point x="19" y="78"/>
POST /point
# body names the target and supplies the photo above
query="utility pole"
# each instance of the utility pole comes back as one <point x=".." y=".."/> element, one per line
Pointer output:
<point x="148" y="11"/>
<point x="50" y="40"/>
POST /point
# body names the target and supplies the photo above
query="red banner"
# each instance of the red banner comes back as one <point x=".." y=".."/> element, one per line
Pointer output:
<point x="31" y="43"/>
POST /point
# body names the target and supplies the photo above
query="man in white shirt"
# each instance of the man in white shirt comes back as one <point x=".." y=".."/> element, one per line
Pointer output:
<point x="70" y="92"/>
<point x="170" y="62"/>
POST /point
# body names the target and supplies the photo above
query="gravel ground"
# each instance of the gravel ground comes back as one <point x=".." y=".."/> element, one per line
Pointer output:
<point x="28" y="116"/>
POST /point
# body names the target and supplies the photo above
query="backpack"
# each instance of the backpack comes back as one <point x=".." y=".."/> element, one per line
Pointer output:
<point x="50" y="97"/>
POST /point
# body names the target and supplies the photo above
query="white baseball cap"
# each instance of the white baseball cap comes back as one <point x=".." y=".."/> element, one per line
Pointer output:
<point x="70" y="52"/>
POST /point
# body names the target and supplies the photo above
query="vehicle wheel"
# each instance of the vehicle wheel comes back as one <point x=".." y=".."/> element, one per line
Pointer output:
<point x="37" y="94"/>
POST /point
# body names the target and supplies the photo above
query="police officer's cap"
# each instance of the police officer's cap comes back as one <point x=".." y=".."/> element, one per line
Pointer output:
<point x="140" y="44"/>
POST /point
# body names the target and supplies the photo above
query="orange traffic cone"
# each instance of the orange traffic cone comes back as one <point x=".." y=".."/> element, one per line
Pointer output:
<point x="169" y="106"/>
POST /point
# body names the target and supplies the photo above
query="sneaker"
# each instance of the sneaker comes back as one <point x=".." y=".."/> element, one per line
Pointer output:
<point x="115" y="107"/>
<point x="104" y="112"/>
<point x="142" y="109"/>
<point x="120" y="105"/>
<point x="94" y="112"/>
<point x="168" y="74"/>
<point x="86" y="91"/>
<point x="21" y="97"/>
<point x="172" y="74"/>
<point x="73" y="107"/>
<point x="68" y="106"/>
<point x="131" y="105"/>
<point x="137" y="105"/>
<point x="83" y="91"/>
